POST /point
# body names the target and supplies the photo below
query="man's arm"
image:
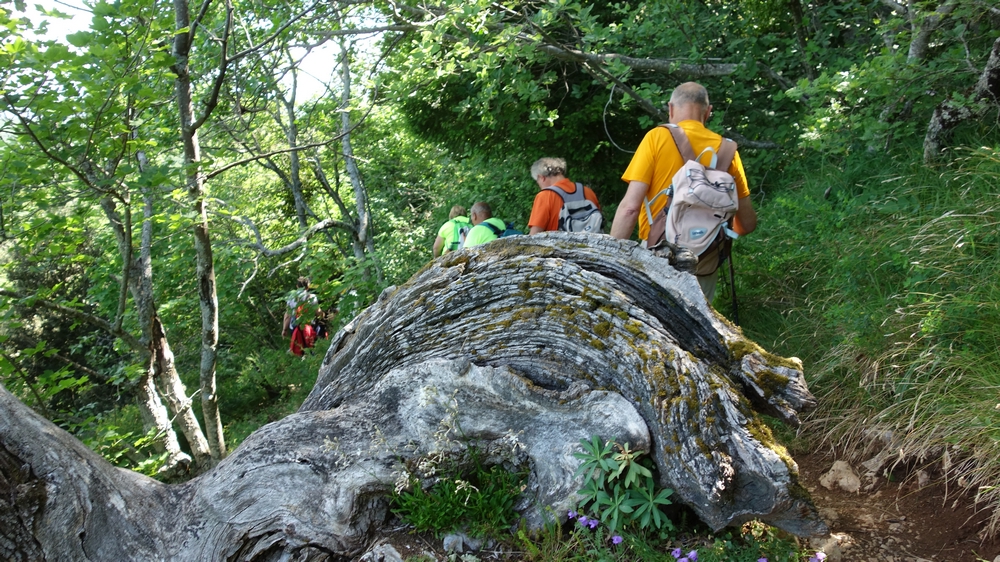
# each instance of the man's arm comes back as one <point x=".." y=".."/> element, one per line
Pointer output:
<point x="535" y="230"/>
<point x="285" y="323"/>
<point x="745" y="220"/>
<point x="628" y="210"/>
<point x="438" y="243"/>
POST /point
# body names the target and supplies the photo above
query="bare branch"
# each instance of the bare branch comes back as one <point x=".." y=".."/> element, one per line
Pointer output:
<point x="213" y="98"/>
<point x="193" y="27"/>
<point x="297" y="243"/>
<point x="366" y="30"/>
<point x="256" y="157"/>
<point x="670" y="66"/>
<point x="747" y="143"/>
<point x="922" y="32"/>
<point x="275" y="35"/>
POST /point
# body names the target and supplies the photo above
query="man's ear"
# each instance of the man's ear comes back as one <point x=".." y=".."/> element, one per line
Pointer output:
<point x="708" y="113"/>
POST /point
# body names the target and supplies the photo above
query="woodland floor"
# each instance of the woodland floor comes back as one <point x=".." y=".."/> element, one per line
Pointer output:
<point x="894" y="521"/>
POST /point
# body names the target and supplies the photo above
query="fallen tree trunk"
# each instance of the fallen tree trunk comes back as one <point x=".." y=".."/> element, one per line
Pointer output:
<point x="524" y="346"/>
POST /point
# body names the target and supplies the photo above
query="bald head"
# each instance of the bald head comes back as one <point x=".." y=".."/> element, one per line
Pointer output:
<point x="480" y="211"/>
<point x="689" y="101"/>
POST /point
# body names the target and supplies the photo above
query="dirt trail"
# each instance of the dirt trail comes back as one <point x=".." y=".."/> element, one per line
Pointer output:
<point x="897" y="520"/>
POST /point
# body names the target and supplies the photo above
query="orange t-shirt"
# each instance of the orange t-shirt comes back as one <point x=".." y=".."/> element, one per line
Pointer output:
<point x="657" y="160"/>
<point x="548" y="203"/>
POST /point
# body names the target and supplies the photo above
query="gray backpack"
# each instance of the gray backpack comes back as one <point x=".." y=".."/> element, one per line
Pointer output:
<point x="702" y="200"/>
<point x="578" y="214"/>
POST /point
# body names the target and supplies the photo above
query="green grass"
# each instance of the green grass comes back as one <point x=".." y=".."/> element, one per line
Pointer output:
<point x="888" y="291"/>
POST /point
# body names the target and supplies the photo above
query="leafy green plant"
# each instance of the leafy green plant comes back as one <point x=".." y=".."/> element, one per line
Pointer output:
<point x="619" y="488"/>
<point x="466" y="495"/>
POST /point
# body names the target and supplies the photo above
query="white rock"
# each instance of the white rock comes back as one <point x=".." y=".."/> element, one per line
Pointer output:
<point x="830" y="545"/>
<point x="842" y="476"/>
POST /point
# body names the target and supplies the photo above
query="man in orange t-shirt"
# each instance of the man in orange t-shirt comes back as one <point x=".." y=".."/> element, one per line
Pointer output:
<point x="657" y="160"/>
<point x="545" y="211"/>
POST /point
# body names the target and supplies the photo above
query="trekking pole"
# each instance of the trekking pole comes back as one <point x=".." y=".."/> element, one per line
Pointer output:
<point x="732" y="289"/>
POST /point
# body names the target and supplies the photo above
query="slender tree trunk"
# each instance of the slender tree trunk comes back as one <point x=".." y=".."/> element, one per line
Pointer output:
<point x="294" y="162"/>
<point x="154" y="414"/>
<point x="949" y="113"/>
<point x="923" y="27"/>
<point x="205" y="270"/>
<point x="167" y="378"/>
<point x="364" y="238"/>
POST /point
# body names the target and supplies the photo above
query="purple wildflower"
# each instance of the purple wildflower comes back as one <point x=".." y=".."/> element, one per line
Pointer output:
<point x="616" y="539"/>
<point x="693" y="556"/>
<point x="571" y="514"/>
<point x="676" y="553"/>
<point x="592" y="523"/>
<point x="582" y="520"/>
<point x="685" y="559"/>
<point x="821" y="556"/>
<point x="762" y="560"/>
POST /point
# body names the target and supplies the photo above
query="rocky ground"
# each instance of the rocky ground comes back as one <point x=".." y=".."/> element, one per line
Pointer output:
<point x="897" y="518"/>
<point x="900" y="518"/>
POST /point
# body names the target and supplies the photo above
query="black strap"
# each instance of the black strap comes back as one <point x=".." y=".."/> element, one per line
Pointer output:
<point x="495" y="230"/>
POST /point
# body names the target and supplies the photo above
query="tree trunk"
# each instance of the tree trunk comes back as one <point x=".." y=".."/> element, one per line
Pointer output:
<point x="155" y="354"/>
<point x="205" y="268"/>
<point x="365" y="244"/>
<point x="527" y="344"/>
<point x="292" y="135"/>
<point x="950" y="113"/>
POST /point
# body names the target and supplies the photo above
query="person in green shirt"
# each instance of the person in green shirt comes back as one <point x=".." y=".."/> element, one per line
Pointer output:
<point x="481" y="233"/>
<point x="449" y="236"/>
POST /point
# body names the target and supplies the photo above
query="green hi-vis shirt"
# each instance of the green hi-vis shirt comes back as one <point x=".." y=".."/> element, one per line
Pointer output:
<point x="449" y="232"/>
<point x="481" y="234"/>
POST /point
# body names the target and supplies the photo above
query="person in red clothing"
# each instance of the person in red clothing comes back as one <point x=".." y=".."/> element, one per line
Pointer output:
<point x="302" y="309"/>
<point x="545" y="211"/>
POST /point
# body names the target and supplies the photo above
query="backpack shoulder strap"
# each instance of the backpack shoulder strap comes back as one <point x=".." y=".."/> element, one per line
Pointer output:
<point x="726" y="154"/>
<point x="577" y="195"/>
<point x="490" y="225"/>
<point x="681" y="140"/>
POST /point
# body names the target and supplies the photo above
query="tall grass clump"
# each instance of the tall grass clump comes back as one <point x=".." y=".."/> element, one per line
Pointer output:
<point x="885" y="283"/>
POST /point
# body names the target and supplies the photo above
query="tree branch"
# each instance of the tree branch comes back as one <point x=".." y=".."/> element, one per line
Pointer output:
<point x="366" y="30"/>
<point x="33" y="301"/>
<point x="950" y="113"/>
<point x="896" y="6"/>
<point x="670" y="66"/>
<point x="274" y="35"/>
<point x="297" y="243"/>
<point x="256" y="157"/>
<point x="213" y="98"/>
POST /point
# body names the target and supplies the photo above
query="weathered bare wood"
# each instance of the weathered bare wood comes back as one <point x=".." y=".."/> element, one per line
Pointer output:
<point x="524" y="346"/>
<point x="611" y="315"/>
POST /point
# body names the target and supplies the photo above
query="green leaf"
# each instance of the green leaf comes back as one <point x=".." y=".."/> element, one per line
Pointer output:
<point x="79" y="39"/>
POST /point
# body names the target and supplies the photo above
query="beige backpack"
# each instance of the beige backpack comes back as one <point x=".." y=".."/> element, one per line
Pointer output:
<point x="702" y="200"/>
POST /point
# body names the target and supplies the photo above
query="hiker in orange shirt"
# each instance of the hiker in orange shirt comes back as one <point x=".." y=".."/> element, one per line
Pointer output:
<point x="551" y="173"/>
